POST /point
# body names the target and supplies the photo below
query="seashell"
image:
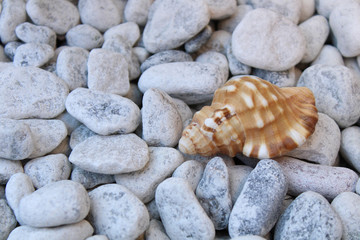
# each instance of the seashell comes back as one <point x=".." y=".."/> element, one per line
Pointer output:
<point x="251" y="116"/>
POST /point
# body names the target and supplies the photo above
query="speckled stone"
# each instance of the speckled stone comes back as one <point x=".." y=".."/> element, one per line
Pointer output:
<point x="10" y="49"/>
<point x="33" y="54"/>
<point x="236" y="67"/>
<point x="128" y="30"/>
<point x="28" y="32"/>
<point x="84" y="36"/>
<point x="216" y="58"/>
<point x="89" y="179"/>
<point x="217" y="42"/>
<point x="9" y="168"/>
<point x="279" y="78"/>
<point x="350" y="146"/>
<point x="80" y="134"/>
<point x="97" y="237"/>
<point x="156" y="231"/>
<point x="229" y="24"/>
<point x="191" y="171"/>
<point x="137" y="11"/>
<point x="237" y="177"/>
<point x="195" y="43"/>
<point x="12" y="14"/>
<point x="7" y="219"/>
<point x="221" y="9"/>
<point x="329" y="55"/>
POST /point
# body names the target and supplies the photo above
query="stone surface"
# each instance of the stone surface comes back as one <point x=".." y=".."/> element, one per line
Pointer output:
<point x="357" y="188"/>
<point x="221" y="9"/>
<point x="285" y="78"/>
<point x="236" y="67"/>
<point x="97" y="237"/>
<point x="117" y="213"/>
<point x="111" y="154"/>
<point x="184" y="110"/>
<point x="129" y="31"/>
<point x="350" y="146"/>
<point x="229" y="24"/>
<point x="237" y="177"/>
<point x="307" y="9"/>
<point x="261" y="28"/>
<point x="10" y="49"/>
<point x="84" y="36"/>
<point x="9" y="168"/>
<point x="30" y="33"/>
<point x="7" y="219"/>
<point x="156" y="231"/>
<point x="12" y="14"/>
<point x="137" y="11"/>
<point x="196" y="42"/>
<point x="89" y="179"/>
<point x="70" y="122"/>
<point x="329" y="55"/>
<point x="191" y="171"/>
<point x="216" y="58"/>
<point x="33" y="54"/>
<point x="217" y="42"/>
<point x="309" y="216"/>
<point x="134" y="94"/>
<point x="80" y="134"/>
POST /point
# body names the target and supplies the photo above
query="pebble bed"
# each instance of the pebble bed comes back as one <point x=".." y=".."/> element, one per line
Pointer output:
<point x="94" y="95"/>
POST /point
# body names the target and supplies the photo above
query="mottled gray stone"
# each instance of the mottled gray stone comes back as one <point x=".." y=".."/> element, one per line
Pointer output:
<point x="59" y="15"/>
<point x="235" y="66"/>
<point x="237" y="177"/>
<point x="12" y="14"/>
<point x="153" y="210"/>
<point x="257" y="208"/>
<point x="166" y="30"/>
<point x="221" y="9"/>
<point x="309" y="216"/>
<point x="329" y="55"/>
<point x="279" y="78"/>
<point x="350" y="146"/>
<point x="9" y="168"/>
<point x="30" y="33"/>
<point x="141" y="53"/>
<point x="137" y="11"/>
<point x="335" y="91"/>
<point x="89" y="179"/>
<point x="129" y="30"/>
<point x="134" y="94"/>
<point x="213" y="192"/>
<point x="180" y="211"/>
<point x="10" y="49"/>
<point x="326" y="180"/>
<point x="103" y="113"/>
<point x="248" y="237"/>
<point x="216" y="58"/>
<point x="196" y="42"/>
<point x="156" y="231"/>
<point x="229" y="24"/>
<point x="117" y="213"/>
<point x="80" y="134"/>
<point x="7" y="219"/>
<point x="218" y="42"/>
<point x="97" y="237"/>
<point x="190" y="170"/>
<point x="33" y="54"/>
<point x="84" y="36"/>
<point x="70" y="122"/>
<point x="111" y="154"/>
<point x="63" y="147"/>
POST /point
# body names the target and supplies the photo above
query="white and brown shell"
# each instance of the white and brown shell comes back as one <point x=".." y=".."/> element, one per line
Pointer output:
<point x="251" y="116"/>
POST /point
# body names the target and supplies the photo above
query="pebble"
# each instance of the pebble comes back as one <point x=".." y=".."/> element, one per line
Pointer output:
<point x="316" y="30"/>
<point x="357" y="188"/>
<point x="347" y="206"/>
<point x="329" y="55"/>
<point x="3" y="57"/>
<point x="285" y="78"/>
<point x="153" y="210"/>
<point x="248" y="237"/>
<point x="108" y="72"/>
<point x="192" y="82"/>
<point x="129" y="31"/>
<point x="76" y="231"/>
<point x="323" y="145"/>
<point x="181" y="212"/>
<point x="48" y="169"/>
<point x="79" y="135"/>
<point x="257" y="208"/>
<point x="350" y="146"/>
<point x="156" y="231"/>
<point x="165" y="30"/>
<point x="16" y="140"/>
<point x="325" y="7"/>
<point x="196" y="42"/>
<point x="117" y="213"/>
<point x="326" y="180"/>
<point x="111" y="154"/>
<point x="89" y="179"/>
<point x="216" y="58"/>
<point x="103" y="113"/>
<point x="84" y="36"/>
<point x="7" y="219"/>
<point x="334" y="88"/>
<point x="184" y="110"/>
<point x="229" y="24"/>
<point x="141" y="53"/>
<point x="71" y="66"/>
<point x="30" y="92"/>
<point x="10" y="49"/>
<point x="213" y="193"/>
<point x="221" y="9"/>
<point x="218" y="42"/>
<point x="237" y="177"/>
<point x="12" y="14"/>
<point x="309" y="216"/>
<point x="307" y="9"/>
<point x="137" y="11"/>
<point x="97" y="237"/>
<point x="352" y="63"/>
<point x="235" y="66"/>
<point x="30" y="33"/>
<point x="161" y="122"/>
<point x="191" y="171"/>
<point x="2" y="192"/>
<point x="59" y="15"/>
<point x="33" y="54"/>
<point x="166" y="56"/>
<point x="143" y="183"/>
<point x="9" y="168"/>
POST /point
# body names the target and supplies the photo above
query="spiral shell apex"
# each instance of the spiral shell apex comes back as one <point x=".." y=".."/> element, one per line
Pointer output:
<point x="251" y="116"/>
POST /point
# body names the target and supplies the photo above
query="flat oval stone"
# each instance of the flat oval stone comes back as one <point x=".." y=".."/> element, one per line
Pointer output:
<point x="128" y="30"/>
<point x="350" y="146"/>
<point x="191" y="171"/>
<point x="329" y="55"/>
<point x="9" y="168"/>
<point x="84" y="36"/>
<point x="30" y="92"/>
<point x="137" y="11"/>
<point x="103" y="113"/>
<point x="12" y="14"/>
<point x="111" y="154"/>
<point x="33" y="54"/>
<point x="279" y="78"/>
<point x="28" y="32"/>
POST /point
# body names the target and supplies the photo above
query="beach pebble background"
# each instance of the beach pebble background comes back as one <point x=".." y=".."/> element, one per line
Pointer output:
<point x="94" y="95"/>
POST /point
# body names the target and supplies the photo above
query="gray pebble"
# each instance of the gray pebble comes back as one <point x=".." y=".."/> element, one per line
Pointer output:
<point x="236" y="67"/>
<point x="184" y="110"/>
<point x="117" y="213"/>
<point x="33" y="54"/>
<point x="12" y="14"/>
<point x="143" y="183"/>
<point x="357" y="188"/>
<point x="129" y="30"/>
<point x="3" y="57"/>
<point x="180" y="211"/>
<point x="79" y="135"/>
<point x="153" y="210"/>
<point x="216" y="58"/>
<point x="350" y="146"/>
<point x="29" y="92"/>
<point x="63" y="147"/>
<point x="137" y="11"/>
<point x="325" y="180"/>
<point x="134" y="94"/>
<point x="10" y="49"/>
<point x="70" y="122"/>
<point x="325" y="7"/>
<point x="309" y="216"/>
<point x="156" y="231"/>
<point x="257" y="208"/>
<point x="9" y="168"/>
<point x="237" y="177"/>
<point x="279" y="78"/>
<point x="213" y="192"/>
<point x="59" y="15"/>
<point x="165" y="30"/>
<point x="2" y="192"/>
<point x="221" y="9"/>
<point x="218" y="41"/>
<point x="248" y="237"/>
<point x="329" y="55"/>
<point x="352" y="63"/>
<point x="161" y="122"/>
<point x="141" y="53"/>
<point x="195" y="43"/>
<point x="190" y="170"/>
<point x="103" y="113"/>
<point x="97" y="237"/>
<point x="7" y="219"/>
<point x="229" y="24"/>
<point x="111" y="154"/>
<point x="84" y="36"/>
<point x="30" y="33"/>
<point x="89" y="179"/>
<point x="334" y="88"/>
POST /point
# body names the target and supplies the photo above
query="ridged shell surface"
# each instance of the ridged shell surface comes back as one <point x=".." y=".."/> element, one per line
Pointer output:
<point x="251" y="116"/>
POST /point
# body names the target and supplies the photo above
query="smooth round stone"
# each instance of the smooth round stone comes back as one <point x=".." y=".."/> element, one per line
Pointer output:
<point x="111" y="154"/>
<point x="30" y="92"/>
<point x="9" y="168"/>
<point x="307" y="9"/>
<point x="171" y="23"/>
<point x="97" y="237"/>
<point x="141" y="53"/>
<point x="59" y="15"/>
<point x="326" y="180"/>
<point x="334" y="88"/>
<point x="84" y="36"/>
<point x="229" y="24"/>
<point x="156" y="231"/>
<point x="7" y="219"/>
<point x="117" y="213"/>
<point x="101" y="14"/>
<point x="262" y="28"/>
<point x="347" y="206"/>
<point x="129" y="30"/>
<point x="191" y="171"/>
<point x="196" y="42"/>
<point x="221" y="9"/>
<point x="325" y="7"/>
<point x="329" y="55"/>
<point x="30" y="33"/>
<point x="161" y="122"/>
<point x="71" y="66"/>
<point x="89" y="179"/>
<point x="235" y="66"/>
<point x="279" y="78"/>
<point x="181" y="212"/>
<point x="237" y="177"/>
<point x="16" y="140"/>
<point x="12" y="14"/>
<point x="76" y="231"/>
<point x="166" y="56"/>
<point x="192" y="82"/>
<point x="33" y="54"/>
<point x="67" y="201"/>
<point x="323" y="145"/>
<point x="257" y="208"/>
<point x="213" y="192"/>
<point x="218" y="42"/>
<point x="350" y="146"/>
<point x="309" y="216"/>
<point x="137" y="11"/>
<point x="103" y="113"/>
<point x="80" y="134"/>
<point x="217" y="59"/>
<point x="143" y="183"/>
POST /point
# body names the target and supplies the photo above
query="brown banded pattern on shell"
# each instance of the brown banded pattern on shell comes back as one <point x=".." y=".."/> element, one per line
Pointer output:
<point x="251" y="116"/>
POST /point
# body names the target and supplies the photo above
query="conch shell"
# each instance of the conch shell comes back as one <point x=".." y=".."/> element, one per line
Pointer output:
<point x="251" y="116"/>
